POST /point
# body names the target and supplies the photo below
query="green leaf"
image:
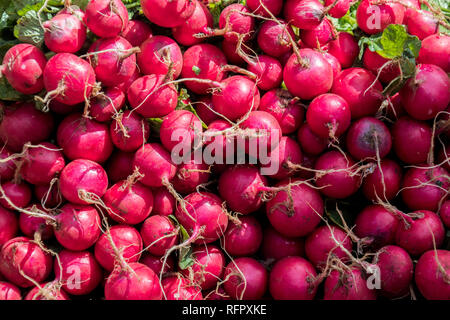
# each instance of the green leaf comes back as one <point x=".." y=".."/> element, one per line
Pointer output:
<point x="333" y="215"/>
<point x="29" y="29"/>
<point x="348" y="22"/>
<point x="186" y="259"/>
<point x="7" y="93"/>
<point x="196" y="70"/>
<point x="80" y="3"/>
<point x="5" y="45"/>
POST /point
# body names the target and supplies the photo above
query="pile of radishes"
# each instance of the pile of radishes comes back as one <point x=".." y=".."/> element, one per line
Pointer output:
<point x="93" y="205"/>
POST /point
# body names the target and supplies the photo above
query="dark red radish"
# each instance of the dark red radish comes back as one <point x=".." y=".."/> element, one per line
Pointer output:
<point x="387" y="70"/>
<point x="348" y="285"/>
<point x="48" y="195"/>
<point x="139" y="282"/>
<point x="129" y="131"/>
<point x="22" y="123"/>
<point x="374" y="18"/>
<point x="69" y="79"/>
<point x="309" y="141"/>
<point x="273" y="38"/>
<point x="154" y="162"/>
<point x="276" y="246"/>
<point x="243" y="237"/>
<point x="18" y="193"/>
<point x="106" y="105"/>
<point x="261" y="7"/>
<point x="396" y="271"/>
<point x="383" y="183"/>
<point x="64" y="109"/>
<point x="168" y="14"/>
<point x="340" y="9"/>
<point x="106" y="18"/>
<point x="246" y="279"/>
<point x="23" y="66"/>
<point x="297" y="74"/>
<point x="344" y="48"/>
<point x="178" y="288"/>
<point x="444" y="157"/>
<point x="125" y="85"/>
<point x="360" y="89"/>
<point x="151" y="97"/>
<point x="444" y="213"/>
<point x="395" y="108"/>
<point x="204" y="215"/>
<point x="340" y="181"/>
<point x="64" y="33"/>
<point x="232" y="23"/>
<point x="287" y="152"/>
<point x="423" y="188"/>
<point x="7" y="167"/>
<point x="432" y="275"/>
<point x="204" y="109"/>
<point x="288" y="110"/>
<point x="21" y="255"/>
<point x="8" y="225"/>
<point x="8" y="291"/>
<point x="200" y="21"/>
<point x="159" y="234"/>
<point x="421" y="23"/>
<point x="334" y="63"/>
<point x="292" y="278"/>
<point x="120" y="166"/>
<point x="191" y="175"/>
<point x="156" y="263"/>
<point x="318" y="36"/>
<point x="435" y="50"/>
<point x="427" y="93"/>
<point x="295" y="211"/>
<point x="30" y="225"/>
<point x="164" y="203"/>
<point x="82" y="176"/>
<point x="78" y="271"/>
<point x="136" y="32"/>
<point x="179" y="130"/>
<point x="47" y="291"/>
<point x="268" y="71"/>
<point x="304" y="14"/>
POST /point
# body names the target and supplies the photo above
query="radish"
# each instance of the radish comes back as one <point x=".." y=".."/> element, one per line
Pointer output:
<point x="340" y="9"/>
<point x="7" y="167"/>
<point x="83" y="138"/>
<point x="246" y="279"/>
<point x="68" y="79"/>
<point x="434" y="50"/>
<point x="22" y="123"/>
<point x="444" y="157"/>
<point x="125" y="85"/>
<point x="241" y="188"/>
<point x="79" y="272"/>
<point x="191" y="175"/>
<point x="260" y="7"/>
<point x="276" y="246"/>
<point x="299" y="70"/>
<point x="179" y="129"/>
<point x="319" y="35"/>
<point x="336" y="177"/>
<point x="31" y="225"/>
<point x="21" y="255"/>
<point x="292" y="278"/>
<point x="396" y="271"/>
<point x="18" y="193"/>
<point x="309" y="141"/>
<point x="47" y="291"/>
<point x="295" y="211"/>
<point x="347" y="285"/>
<point x="231" y="48"/>
<point x="164" y="203"/>
<point x="139" y="282"/>
<point x="23" y="66"/>
<point x="387" y="70"/>
<point x="234" y="24"/>
<point x="9" y="291"/>
<point x="444" y="213"/>
<point x="104" y="106"/>
<point x="77" y="226"/>
<point x="360" y="89"/>
<point x="64" y="33"/>
<point x="120" y="166"/>
<point x="421" y="23"/>
<point x="286" y="153"/>
<point x="429" y="88"/>
<point x="8" y="225"/>
<point x="344" y="48"/>
<point x="334" y="63"/>
<point x="129" y="131"/>
<point x="48" y="195"/>
<point x="243" y="237"/>
<point x="82" y="176"/>
<point x="273" y="38"/>
<point x="168" y="14"/>
<point x="383" y="183"/>
<point x="217" y="294"/>
<point x="268" y="71"/>
<point x="159" y="234"/>
<point x="178" y="288"/>
<point x="304" y="14"/>
<point x="204" y="109"/>
<point x="64" y="109"/>
<point x="156" y="263"/>
<point x="328" y="115"/>
<point x="106" y="18"/>
<point x="136" y="32"/>
<point x="432" y="274"/>
<point x="374" y="18"/>
<point x="324" y="242"/>
<point x="288" y="111"/>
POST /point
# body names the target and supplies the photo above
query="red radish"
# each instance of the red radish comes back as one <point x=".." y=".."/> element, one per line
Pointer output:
<point x="69" y="79"/>
<point x="22" y="123"/>
<point x="304" y="14"/>
<point x="156" y="263"/>
<point x="344" y="48"/>
<point x="75" y="10"/>
<point x="328" y="115"/>
<point x="341" y="182"/>
<point x="424" y="188"/>
<point x="256" y="6"/>
<point x="190" y="175"/>
<point x="64" y="33"/>
<point x="427" y="93"/>
<point x="233" y="22"/>
<point x="319" y="35"/>
<point x="23" y="67"/>
<point x="292" y="278"/>
<point x="30" y="225"/>
<point x="444" y="213"/>
<point x="129" y="131"/>
<point x="158" y="55"/>
<point x="125" y="85"/>
<point x="204" y="109"/>
<point x="82" y="175"/>
<point x="204" y="215"/>
<point x="179" y="129"/>
<point x="77" y="227"/>
<point x="151" y="98"/>
<point x="288" y="151"/>
<point x="127" y="239"/>
<point x="19" y="193"/>
<point x="199" y="22"/>
<point x="217" y="294"/>
<point x="309" y="141"/>
<point x="7" y="168"/>
<point x="9" y="291"/>
<point x="230" y="48"/>
<point x="268" y="71"/>
<point x="334" y="63"/>
<point x="79" y="272"/>
<point x="396" y="271"/>
<point x="168" y="14"/>
<point x="208" y="267"/>
<point x="241" y="187"/>
<point x="106" y="18"/>
<point x="432" y="274"/>
<point x="139" y="283"/>
<point x="297" y="74"/>
<point x="421" y="23"/>
<point x="308" y="162"/>
<point x="178" y="288"/>
<point x="48" y="195"/>
<point x="243" y="237"/>
<point x="120" y="166"/>
<point x="276" y="246"/>
<point x="387" y="69"/>
<point x="395" y="108"/>
<point x="295" y="211"/>
<point x="136" y="32"/>
<point x="444" y="157"/>
<point x="8" y="225"/>
<point x="384" y="183"/>
<point x="105" y="105"/>
<point x="353" y="85"/>
<point x="288" y="111"/>
<point x="23" y="255"/>
<point x="164" y="203"/>
<point x="340" y="9"/>
<point x="435" y="50"/>
<point x="374" y="18"/>
<point x="217" y="144"/>
<point x="246" y="279"/>
<point x="326" y="241"/>
<point x="83" y="138"/>
<point x="156" y="232"/>
<point x="64" y="109"/>
<point x="155" y="164"/>
<point x="348" y="285"/>
<point x="273" y="38"/>
<point x="47" y="291"/>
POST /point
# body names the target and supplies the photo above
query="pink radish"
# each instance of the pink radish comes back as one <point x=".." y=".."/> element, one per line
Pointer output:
<point x="318" y="36"/>
<point x="432" y="274"/>
<point x="348" y="285"/>
<point x="276" y="246"/>
<point x="47" y="291"/>
<point x="9" y="291"/>
<point x="164" y="203"/>
<point x="136" y="32"/>
<point x="19" y="193"/>
<point x="444" y="213"/>
<point x="30" y="225"/>
<point x="8" y="225"/>
<point x="234" y="23"/>
<point x="387" y="13"/>
<point x="387" y="69"/>
<point x="434" y="50"/>
<point x="106" y="105"/>
<point x="179" y="129"/>
<point x="129" y="131"/>
<point x="7" y="167"/>
<point x="155" y="232"/>
<point x="178" y="288"/>
<point x="340" y="8"/>
<point x="190" y="175"/>
<point x="156" y="263"/>
<point x="257" y="6"/>
<point x="273" y="38"/>
<point x="106" y="18"/>
<point x="243" y="237"/>
<point x="168" y="14"/>
<point x="344" y="48"/>
<point x="304" y="14"/>
<point x="48" y="195"/>
<point x="309" y="141"/>
<point x="64" y="33"/>
<point x="383" y="183"/>
<point x="421" y="23"/>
